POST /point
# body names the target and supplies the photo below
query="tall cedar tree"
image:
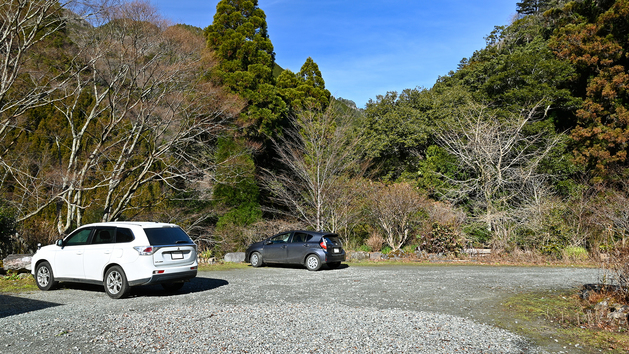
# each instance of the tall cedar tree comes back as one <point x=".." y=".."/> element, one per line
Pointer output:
<point x="305" y="89"/>
<point x="596" y="42"/>
<point x="239" y="37"/>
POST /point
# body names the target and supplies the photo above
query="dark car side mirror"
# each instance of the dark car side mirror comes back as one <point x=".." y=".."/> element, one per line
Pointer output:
<point x="268" y="242"/>
<point x="59" y="243"/>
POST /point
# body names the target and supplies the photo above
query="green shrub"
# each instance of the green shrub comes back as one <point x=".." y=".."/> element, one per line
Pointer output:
<point x="364" y="248"/>
<point x="207" y="254"/>
<point x="551" y="249"/>
<point x="7" y="229"/>
<point x="409" y="248"/>
<point x="386" y="250"/>
<point x="238" y="195"/>
<point x="575" y="253"/>
<point x="478" y="234"/>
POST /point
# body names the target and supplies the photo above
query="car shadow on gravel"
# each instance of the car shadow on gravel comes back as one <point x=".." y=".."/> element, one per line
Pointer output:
<point x="324" y="268"/>
<point x="195" y="285"/>
<point x="15" y="305"/>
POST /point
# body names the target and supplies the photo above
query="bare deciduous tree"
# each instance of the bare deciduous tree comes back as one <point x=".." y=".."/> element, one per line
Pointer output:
<point x="498" y="159"/>
<point x="611" y="214"/>
<point x="315" y="156"/>
<point x="396" y="209"/>
<point x="138" y="114"/>
<point x="23" y="25"/>
<point x="347" y="199"/>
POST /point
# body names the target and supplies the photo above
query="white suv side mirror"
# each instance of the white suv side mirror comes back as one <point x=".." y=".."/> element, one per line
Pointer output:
<point x="59" y="243"/>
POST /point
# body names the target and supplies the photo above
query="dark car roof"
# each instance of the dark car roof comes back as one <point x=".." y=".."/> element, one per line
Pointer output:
<point x="315" y="233"/>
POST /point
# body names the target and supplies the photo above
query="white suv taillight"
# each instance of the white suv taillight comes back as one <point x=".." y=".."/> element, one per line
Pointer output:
<point x="145" y="250"/>
<point x="323" y="245"/>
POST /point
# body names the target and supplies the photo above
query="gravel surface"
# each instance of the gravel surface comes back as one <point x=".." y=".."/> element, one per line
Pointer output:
<point x="390" y="309"/>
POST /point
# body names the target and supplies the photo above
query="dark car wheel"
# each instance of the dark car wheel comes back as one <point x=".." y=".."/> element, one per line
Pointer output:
<point x="313" y="262"/>
<point x="334" y="265"/>
<point x="115" y="283"/>
<point x="171" y="287"/>
<point x="256" y="259"/>
<point x="43" y="276"/>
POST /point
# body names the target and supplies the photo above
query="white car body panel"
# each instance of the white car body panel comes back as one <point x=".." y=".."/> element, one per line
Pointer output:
<point x="68" y="262"/>
<point x="95" y="260"/>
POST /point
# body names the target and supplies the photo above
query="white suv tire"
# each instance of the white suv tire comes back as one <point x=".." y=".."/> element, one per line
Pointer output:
<point x="115" y="283"/>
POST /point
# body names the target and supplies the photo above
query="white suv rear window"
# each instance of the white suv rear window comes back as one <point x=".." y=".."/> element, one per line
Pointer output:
<point x="167" y="236"/>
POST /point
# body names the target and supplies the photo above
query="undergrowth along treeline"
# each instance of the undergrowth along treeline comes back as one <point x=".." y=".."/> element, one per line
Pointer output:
<point x="109" y="112"/>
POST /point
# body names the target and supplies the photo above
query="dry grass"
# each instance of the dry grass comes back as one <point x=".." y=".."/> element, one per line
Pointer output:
<point x="616" y="266"/>
<point x="375" y="242"/>
<point x="533" y="258"/>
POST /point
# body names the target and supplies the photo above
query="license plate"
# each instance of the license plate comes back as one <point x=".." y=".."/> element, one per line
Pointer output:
<point x="177" y="255"/>
<point x="336" y="250"/>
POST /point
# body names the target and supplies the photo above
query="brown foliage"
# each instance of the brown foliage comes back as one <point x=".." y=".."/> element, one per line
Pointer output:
<point x="398" y="210"/>
<point x="603" y="120"/>
<point x="375" y="242"/>
<point x="617" y="270"/>
<point x="238" y="238"/>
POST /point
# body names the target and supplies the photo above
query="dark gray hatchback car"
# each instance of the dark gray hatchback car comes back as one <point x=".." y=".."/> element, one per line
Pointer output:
<point x="309" y="248"/>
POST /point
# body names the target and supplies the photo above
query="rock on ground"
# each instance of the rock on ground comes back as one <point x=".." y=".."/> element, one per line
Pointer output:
<point x="18" y="262"/>
<point x="235" y="257"/>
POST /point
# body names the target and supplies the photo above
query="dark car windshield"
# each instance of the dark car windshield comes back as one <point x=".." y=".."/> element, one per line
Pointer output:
<point x="167" y="236"/>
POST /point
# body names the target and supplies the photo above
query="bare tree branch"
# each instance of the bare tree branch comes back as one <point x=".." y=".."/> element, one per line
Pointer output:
<point x="315" y="155"/>
<point x="498" y="158"/>
<point x="396" y="210"/>
<point x="136" y="113"/>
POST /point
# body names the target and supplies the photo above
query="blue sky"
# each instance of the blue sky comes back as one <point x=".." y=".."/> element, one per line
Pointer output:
<point x="367" y="48"/>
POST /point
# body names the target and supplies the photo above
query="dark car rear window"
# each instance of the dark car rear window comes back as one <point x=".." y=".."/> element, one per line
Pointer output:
<point x="332" y="240"/>
<point x="167" y="236"/>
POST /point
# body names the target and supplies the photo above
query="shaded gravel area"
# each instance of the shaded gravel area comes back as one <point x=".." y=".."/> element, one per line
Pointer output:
<point x="390" y="309"/>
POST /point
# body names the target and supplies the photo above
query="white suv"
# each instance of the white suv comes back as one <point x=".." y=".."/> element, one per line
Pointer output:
<point x="118" y="255"/>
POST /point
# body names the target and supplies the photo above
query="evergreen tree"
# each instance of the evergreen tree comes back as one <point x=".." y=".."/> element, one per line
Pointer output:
<point x="7" y="229"/>
<point x="305" y="89"/>
<point x="238" y="193"/>
<point x="240" y="39"/>
<point x="314" y="86"/>
<point x="529" y="7"/>
<point x="596" y="42"/>
<point x="517" y="68"/>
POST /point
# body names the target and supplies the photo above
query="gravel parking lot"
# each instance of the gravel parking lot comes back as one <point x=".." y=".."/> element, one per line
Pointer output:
<point x="398" y="309"/>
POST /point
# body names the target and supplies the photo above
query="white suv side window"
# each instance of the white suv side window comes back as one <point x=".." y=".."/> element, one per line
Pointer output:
<point x="124" y="235"/>
<point x="79" y="238"/>
<point x="103" y="236"/>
